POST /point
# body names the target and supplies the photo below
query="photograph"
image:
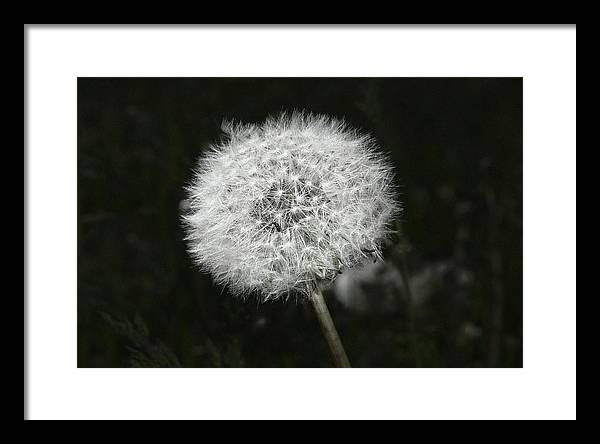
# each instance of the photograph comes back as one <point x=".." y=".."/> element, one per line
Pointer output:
<point x="299" y="222"/>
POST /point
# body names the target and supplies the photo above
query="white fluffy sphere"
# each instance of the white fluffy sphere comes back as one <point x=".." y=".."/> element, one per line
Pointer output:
<point x="279" y="207"/>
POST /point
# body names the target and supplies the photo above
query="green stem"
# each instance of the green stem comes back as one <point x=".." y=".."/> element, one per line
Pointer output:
<point x="331" y="335"/>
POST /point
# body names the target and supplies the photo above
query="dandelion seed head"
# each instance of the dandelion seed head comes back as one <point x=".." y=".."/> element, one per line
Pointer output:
<point x="277" y="207"/>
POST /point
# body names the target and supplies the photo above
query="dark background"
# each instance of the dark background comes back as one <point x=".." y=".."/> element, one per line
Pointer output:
<point x="457" y="147"/>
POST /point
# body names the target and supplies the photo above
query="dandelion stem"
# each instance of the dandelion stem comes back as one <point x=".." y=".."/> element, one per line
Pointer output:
<point x="331" y="335"/>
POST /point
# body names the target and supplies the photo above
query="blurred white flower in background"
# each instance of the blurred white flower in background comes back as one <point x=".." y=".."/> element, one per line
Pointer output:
<point x="280" y="206"/>
<point x="373" y="287"/>
<point x="380" y="287"/>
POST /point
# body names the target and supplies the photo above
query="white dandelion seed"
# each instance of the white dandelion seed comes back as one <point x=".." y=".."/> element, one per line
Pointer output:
<point x="280" y="207"/>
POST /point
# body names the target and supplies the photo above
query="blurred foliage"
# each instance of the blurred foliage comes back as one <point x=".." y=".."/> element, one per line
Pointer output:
<point x="457" y="147"/>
